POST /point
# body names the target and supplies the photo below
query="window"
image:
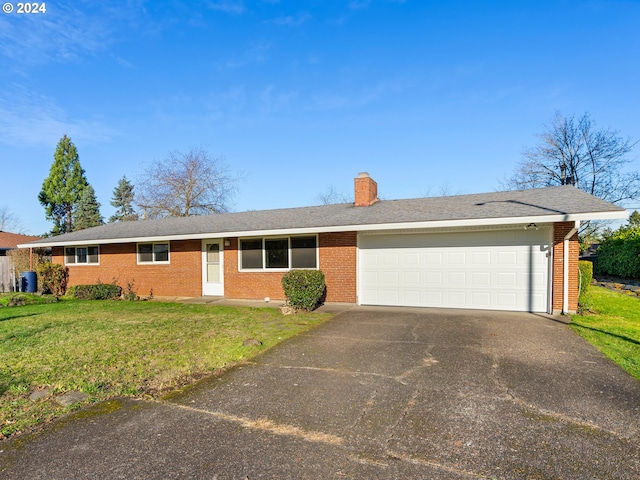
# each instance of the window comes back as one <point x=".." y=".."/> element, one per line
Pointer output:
<point x="278" y="253"/>
<point x="81" y="255"/>
<point x="153" y="253"/>
<point x="251" y="254"/>
<point x="303" y="252"/>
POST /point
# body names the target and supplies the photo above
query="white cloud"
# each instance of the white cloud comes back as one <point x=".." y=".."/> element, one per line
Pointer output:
<point x="62" y="34"/>
<point x="256" y="53"/>
<point x="227" y="6"/>
<point x="33" y="120"/>
<point x="292" y="20"/>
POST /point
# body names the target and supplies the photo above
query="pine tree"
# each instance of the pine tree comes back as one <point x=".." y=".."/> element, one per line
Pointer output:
<point x="122" y="200"/>
<point x="62" y="189"/>
<point x="634" y="219"/>
<point x="87" y="213"/>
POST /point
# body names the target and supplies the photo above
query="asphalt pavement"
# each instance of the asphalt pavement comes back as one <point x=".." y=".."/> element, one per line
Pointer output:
<point x="375" y="393"/>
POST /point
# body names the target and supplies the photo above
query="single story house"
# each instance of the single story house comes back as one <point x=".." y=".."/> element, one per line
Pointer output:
<point x="514" y="250"/>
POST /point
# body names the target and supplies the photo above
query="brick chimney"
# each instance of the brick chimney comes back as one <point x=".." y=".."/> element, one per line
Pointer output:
<point x="366" y="190"/>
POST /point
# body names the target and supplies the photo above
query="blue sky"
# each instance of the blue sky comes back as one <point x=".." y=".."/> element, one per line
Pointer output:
<point x="426" y="96"/>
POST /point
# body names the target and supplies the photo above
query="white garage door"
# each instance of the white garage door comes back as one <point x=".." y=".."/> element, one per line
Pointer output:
<point x="494" y="270"/>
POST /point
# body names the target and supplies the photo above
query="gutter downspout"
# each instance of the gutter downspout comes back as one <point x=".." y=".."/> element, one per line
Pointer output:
<point x="565" y="272"/>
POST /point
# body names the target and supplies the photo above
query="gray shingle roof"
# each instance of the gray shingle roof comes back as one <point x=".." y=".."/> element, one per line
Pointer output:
<point x="545" y="204"/>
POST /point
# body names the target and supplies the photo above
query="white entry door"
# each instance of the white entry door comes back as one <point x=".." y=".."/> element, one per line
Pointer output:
<point x="212" y="268"/>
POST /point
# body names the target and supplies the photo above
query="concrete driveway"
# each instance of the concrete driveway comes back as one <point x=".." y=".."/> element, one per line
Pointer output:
<point x="374" y="393"/>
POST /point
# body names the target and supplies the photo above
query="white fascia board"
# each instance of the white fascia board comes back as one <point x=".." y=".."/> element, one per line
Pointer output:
<point x="474" y="222"/>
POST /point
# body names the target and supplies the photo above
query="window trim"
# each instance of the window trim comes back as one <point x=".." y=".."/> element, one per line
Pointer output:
<point x="76" y="263"/>
<point x="288" y="238"/>
<point x="153" y="261"/>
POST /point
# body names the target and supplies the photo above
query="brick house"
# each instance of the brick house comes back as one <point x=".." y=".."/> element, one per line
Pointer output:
<point x="515" y="250"/>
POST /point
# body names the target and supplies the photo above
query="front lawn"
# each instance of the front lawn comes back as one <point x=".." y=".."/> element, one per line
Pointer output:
<point x="611" y="322"/>
<point x="114" y="348"/>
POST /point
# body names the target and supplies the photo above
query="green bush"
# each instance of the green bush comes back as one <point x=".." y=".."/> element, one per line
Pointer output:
<point x="619" y="254"/>
<point x="52" y="278"/>
<point x="585" y="272"/>
<point x="303" y="288"/>
<point x="96" y="291"/>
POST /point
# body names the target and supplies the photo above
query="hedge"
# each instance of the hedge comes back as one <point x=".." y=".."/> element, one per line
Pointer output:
<point x="585" y="272"/>
<point x="96" y="291"/>
<point x="619" y="254"/>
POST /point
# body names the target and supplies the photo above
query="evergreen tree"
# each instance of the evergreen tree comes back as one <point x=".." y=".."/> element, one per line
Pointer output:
<point x="87" y="213"/>
<point x="122" y="200"/>
<point x="634" y="219"/>
<point x="62" y="189"/>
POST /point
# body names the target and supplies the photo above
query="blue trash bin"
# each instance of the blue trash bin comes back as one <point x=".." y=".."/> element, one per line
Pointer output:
<point x="29" y="282"/>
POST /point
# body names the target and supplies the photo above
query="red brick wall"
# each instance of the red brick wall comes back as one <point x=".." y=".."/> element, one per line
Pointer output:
<point x="338" y="262"/>
<point x="181" y="277"/>
<point x="337" y="253"/>
<point x="559" y="232"/>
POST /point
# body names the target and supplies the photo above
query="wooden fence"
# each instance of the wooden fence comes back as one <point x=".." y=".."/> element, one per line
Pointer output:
<point x="7" y="277"/>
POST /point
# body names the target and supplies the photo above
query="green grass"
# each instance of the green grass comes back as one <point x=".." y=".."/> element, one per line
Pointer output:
<point x="24" y="299"/>
<point x="115" y="348"/>
<point x="611" y="322"/>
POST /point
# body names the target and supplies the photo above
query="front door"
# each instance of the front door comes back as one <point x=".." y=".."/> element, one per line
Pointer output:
<point x="212" y="268"/>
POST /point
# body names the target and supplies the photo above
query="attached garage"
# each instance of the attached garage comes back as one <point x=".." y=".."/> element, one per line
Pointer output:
<point x="483" y="269"/>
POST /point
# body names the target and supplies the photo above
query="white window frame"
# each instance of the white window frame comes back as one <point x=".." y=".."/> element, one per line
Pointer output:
<point x="153" y="261"/>
<point x="264" y="254"/>
<point x="75" y="256"/>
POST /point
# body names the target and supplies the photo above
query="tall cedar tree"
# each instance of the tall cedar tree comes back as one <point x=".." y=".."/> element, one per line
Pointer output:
<point x="122" y="200"/>
<point x="87" y="212"/>
<point x="62" y="189"/>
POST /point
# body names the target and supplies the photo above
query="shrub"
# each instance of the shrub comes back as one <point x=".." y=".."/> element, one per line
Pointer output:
<point x="585" y="275"/>
<point x="130" y="294"/>
<point x="303" y="288"/>
<point x="97" y="291"/>
<point x="52" y="278"/>
<point x="619" y="254"/>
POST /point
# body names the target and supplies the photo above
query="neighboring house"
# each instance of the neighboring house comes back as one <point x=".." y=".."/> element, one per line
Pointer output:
<point x="514" y="250"/>
<point x="9" y="241"/>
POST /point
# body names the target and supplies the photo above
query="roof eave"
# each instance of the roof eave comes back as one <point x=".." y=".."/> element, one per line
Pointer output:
<point x="476" y="222"/>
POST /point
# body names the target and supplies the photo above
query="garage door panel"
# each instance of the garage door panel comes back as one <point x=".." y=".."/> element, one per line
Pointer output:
<point x="456" y="278"/>
<point x="434" y="278"/>
<point x="481" y="298"/>
<point x="457" y="299"/>
<point x="507" y="279"/>
<point x="489" y="270"/>
<point x="411" y="278"/>
<point x="391" y="278"/>
<point x="507" y="300"/>
<point x="481" y="258"/>
<point x="481" y="279"/>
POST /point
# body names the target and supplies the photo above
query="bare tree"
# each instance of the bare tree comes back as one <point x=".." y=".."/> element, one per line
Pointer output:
<point x="331" y="196"/>
<point x="9" y="221"/>
<point x="185" y="184"/>
<point x="443" y="190"/>
<point x="574" y="152"/>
